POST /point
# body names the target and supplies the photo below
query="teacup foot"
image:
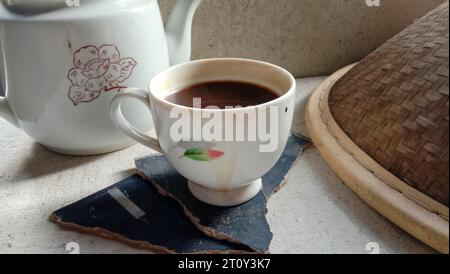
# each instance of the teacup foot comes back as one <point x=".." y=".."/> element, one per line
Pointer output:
<point x="226" y="197"/>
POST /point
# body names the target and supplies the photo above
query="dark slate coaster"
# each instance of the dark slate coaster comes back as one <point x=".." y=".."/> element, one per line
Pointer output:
<point x="151" y="222"/>
<point x="245" y="224"/>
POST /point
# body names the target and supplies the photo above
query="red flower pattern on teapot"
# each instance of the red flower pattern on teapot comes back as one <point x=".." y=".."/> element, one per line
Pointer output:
<point x="97" y="70"/>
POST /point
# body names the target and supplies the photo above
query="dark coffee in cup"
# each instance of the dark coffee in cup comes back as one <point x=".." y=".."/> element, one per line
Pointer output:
<point x="222" y="94"/>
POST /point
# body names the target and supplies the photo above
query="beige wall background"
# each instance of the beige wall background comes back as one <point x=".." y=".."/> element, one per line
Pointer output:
<point x="308" y="37"/>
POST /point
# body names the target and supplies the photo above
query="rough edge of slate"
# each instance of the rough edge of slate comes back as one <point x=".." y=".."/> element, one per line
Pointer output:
<point x="109" y="235"/>
<point x="138" y="244"/>
<point x="106" y="234"/>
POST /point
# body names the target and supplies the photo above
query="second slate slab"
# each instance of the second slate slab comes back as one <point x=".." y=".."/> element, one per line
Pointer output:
<point x="245" y="224"/>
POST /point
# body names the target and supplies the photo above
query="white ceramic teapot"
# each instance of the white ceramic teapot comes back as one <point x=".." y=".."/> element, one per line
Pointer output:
<point x="62" y="61"/>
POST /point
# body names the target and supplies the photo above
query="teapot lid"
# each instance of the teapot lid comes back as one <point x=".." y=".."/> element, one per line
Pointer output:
<point x="38" y="6"/>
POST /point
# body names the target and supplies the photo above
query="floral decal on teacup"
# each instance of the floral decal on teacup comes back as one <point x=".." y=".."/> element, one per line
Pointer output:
<point x="97" y="70"/>
<point x="202" y="155"/>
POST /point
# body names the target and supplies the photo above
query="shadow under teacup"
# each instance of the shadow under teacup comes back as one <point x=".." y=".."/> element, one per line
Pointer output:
<point x="222" y="152"/>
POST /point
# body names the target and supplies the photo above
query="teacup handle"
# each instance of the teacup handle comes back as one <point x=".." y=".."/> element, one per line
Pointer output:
<point x="122" y="123"/>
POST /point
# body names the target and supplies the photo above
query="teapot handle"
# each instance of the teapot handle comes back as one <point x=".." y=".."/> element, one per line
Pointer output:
<point x="5" y="111"/>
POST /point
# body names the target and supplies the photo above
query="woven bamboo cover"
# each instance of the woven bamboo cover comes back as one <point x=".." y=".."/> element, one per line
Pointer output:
<point x="394" y="105"/>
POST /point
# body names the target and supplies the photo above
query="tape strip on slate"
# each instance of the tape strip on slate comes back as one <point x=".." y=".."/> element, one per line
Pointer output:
<point x="245" y="224"/>
<point x="132" y="212"/>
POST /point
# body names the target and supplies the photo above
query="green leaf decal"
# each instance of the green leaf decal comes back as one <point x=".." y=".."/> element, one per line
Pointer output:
<point x="202" y="155"/>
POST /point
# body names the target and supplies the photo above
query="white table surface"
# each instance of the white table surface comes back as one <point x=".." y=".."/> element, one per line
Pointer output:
<point x="314" y="213"/>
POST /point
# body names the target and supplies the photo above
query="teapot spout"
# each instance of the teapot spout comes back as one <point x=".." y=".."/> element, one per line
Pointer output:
<point x="178" y="31"/>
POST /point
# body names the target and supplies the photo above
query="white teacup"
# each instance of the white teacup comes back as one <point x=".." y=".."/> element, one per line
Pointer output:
<point x="223" y="172"/>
